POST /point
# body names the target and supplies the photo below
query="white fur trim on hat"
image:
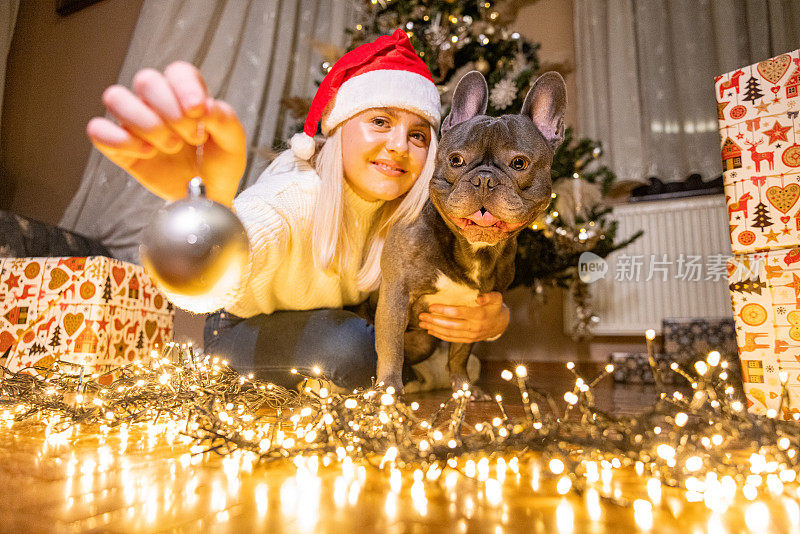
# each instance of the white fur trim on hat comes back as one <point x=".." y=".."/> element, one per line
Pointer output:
<point x="384" y="89"/>
<point x="302" y="145"/>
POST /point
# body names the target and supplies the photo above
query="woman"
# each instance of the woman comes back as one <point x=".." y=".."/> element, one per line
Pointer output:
<point x="316" y="223"/>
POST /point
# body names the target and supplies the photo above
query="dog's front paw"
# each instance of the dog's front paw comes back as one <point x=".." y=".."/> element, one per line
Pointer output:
<point x="478" y="395"/>
<point x="393" y="381"/>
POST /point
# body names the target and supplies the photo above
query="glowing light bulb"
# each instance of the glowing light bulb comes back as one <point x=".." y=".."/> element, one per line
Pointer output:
<point x="556" y="466"/>
<point x="694" y="463"/>
<point x="665" y="451"/>
<point x="563" y="485"/>
<point x="701" y="367"/>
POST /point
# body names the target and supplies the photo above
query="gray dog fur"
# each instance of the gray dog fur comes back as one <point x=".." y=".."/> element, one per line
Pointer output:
<point x="445" y="257"/>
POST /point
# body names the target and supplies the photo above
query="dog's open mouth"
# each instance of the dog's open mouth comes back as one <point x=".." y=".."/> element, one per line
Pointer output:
<point x="483" y="219"/>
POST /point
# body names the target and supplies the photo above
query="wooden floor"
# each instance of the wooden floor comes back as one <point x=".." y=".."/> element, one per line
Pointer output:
<point x="153" y="487"/>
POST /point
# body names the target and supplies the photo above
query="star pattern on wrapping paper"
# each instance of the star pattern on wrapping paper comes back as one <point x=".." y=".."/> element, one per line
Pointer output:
<point x="786" y="231"/>
<point x="12" y="281"/>
<point x="739" y="135"/>
<point x="763" y="107"/>
<point x="101" y="324"/>
<point x="772" y="236"/>
<point x="777" y="132"/>
<point x="119" y="349"/>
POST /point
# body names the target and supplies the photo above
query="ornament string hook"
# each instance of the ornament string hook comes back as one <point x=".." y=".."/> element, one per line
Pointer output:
<point x="197" y="188"/>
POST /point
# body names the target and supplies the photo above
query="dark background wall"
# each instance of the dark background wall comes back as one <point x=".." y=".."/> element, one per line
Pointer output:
<point x="57" y="70"/>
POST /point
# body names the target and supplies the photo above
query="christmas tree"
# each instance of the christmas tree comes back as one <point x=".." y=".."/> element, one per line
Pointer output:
<point x="752" y="90"/>
<point x="761" y="218"/>
<point x="140" y="342"/>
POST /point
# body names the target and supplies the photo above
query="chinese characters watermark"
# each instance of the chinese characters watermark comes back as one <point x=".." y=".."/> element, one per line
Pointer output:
<point x="661" y="267"/>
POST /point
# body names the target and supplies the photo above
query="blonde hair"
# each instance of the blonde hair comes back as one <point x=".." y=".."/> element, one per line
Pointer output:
<point x="332" y="245"/>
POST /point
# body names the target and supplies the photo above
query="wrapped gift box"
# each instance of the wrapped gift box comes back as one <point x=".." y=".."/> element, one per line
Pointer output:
<point x="765" y="294"/>
<point x="760" y="146"/>
<point x="97" y="312"/>
<point x="631" y="368"/>
<point x="687" y="340"/>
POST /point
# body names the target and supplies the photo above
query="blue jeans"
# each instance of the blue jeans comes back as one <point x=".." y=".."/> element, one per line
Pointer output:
<point x="340" y="342"/>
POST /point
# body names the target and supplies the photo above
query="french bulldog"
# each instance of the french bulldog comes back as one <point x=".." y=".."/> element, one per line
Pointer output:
<point x="492" y="179"/>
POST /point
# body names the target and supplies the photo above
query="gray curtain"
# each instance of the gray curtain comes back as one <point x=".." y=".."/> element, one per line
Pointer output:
<point x="252" y="53"/>
<point x="646" y="69"/>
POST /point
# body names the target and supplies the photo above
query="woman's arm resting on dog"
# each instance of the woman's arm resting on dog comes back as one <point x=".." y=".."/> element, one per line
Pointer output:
<point x="488" y="319"/>
<point x="155" y="137"/>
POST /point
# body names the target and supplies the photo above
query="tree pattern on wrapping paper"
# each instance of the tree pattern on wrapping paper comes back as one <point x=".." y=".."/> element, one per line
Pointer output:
<point x="761" y="217"/>
<point x="754" y="285"/>
<point x="140" y="342"/>
<point x="107" y="289"/>
<point x="752" y="90"/>
<point x="37" y="348"/>
<point x="55" y="339"/>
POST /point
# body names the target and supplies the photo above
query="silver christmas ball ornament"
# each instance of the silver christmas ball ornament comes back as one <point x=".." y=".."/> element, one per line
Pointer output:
<point x="196" y="250"/>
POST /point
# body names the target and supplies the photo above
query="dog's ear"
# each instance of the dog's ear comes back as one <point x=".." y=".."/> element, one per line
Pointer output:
<point x="545" y="104"/>
<point x="469" y="99"/>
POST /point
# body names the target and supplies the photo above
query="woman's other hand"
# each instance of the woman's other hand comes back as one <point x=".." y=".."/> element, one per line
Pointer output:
<point x="488" y="319"/>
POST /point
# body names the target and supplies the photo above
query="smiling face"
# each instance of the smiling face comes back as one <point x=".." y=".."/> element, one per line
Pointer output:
<point x="384" y="151"/>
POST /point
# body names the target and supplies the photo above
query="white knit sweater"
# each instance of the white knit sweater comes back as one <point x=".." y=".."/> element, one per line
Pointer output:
<point x="277" y="212"/>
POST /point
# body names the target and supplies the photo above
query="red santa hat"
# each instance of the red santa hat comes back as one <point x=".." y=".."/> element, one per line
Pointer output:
<point x="384" y="73"/>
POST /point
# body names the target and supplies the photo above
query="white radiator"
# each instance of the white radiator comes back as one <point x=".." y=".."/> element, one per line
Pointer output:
<point x="692" y="227"/>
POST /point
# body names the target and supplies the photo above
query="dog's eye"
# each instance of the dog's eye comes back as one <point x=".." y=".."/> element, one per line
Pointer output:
<point x="456" y="160"/>
<point x="519" y="163"/>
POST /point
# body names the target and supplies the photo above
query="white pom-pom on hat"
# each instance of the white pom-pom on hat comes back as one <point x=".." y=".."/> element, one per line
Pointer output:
<point x="303" y="145"/>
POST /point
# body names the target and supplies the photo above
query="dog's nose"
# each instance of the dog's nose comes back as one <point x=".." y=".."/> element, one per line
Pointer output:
<point x="481" y="180"/>
<point x="483" y="210"/>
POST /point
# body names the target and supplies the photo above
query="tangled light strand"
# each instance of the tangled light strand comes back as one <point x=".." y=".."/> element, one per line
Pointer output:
<point x="704" y="442"/>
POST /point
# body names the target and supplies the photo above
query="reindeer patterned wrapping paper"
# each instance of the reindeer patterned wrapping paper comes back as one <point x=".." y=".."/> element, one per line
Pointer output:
<point x="758" y="107"/>
<point x="760" y="147"/>
<point x="765" y="294"/>
<point x="95" y="311"/>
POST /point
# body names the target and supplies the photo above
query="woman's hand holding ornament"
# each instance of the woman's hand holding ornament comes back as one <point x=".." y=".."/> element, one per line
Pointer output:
<point x="161" y="124"/>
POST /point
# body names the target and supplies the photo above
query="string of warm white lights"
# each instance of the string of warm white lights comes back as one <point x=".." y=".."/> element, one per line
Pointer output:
<point x="695" y="442"/>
